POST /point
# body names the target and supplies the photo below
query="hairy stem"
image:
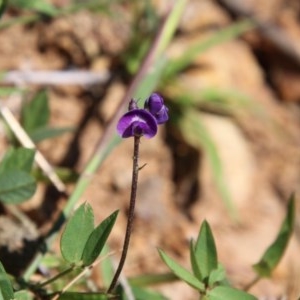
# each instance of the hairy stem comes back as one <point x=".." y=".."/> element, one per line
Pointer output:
<point x="135" y="172"/>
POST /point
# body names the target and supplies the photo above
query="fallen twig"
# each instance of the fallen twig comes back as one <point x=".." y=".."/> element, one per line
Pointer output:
<point x="26" y="141"/>
<point x="20" y="77"/>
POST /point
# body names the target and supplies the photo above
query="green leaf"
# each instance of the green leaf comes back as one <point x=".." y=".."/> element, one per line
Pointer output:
<point x="83" y="296"/>
<point x="195" y="133"/>
<point x="134" y="55"/>
<point x="23" y="295"/>
<point x="37" y="5"/>
<point x="181" y="272"/>
<point x="274" y="253"/>
<point x="228" y="293"/>
<point x="221" y="36"/>
<point x="215" y="99"/>
<point x="16" y="186"/>
<point x="205" y="251"/>
<point x="171" y="26"/>
<point x="151" y="80"/>
<point x="77" y="231"/>
<point x="194" y="263"/>
<point x="36" y="114"/>
<point x="17" y="159"/>
<point x="44" y="133"/>
<point x="6" y="290"/>
<point x="144" y="294"/>
<point x="217" y="276"/>
<point x="97" y="239"/>
<point x="3" y="4"/>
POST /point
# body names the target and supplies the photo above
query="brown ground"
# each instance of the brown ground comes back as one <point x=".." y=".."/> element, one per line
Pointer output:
<point x="260" y="152"/>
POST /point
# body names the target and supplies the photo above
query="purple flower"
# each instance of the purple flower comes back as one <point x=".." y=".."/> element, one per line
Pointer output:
<point x="137" y="122"/>
<point x="155" y="105"/>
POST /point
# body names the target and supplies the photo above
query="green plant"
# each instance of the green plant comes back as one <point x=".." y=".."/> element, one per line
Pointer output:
<point x="208" y="276"/>
<point x="35" y="116"/>
<point x="16" y="183"/>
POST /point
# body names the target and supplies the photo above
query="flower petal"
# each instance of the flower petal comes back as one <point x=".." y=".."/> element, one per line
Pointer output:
<point x="137" y="122"/>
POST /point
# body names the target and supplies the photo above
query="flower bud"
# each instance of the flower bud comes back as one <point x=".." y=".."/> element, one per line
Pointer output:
<point x="155" y="105"/>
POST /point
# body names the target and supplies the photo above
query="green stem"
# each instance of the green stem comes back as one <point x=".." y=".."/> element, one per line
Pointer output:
<point x="135" y="173"/>
<point x="59" y="275"/>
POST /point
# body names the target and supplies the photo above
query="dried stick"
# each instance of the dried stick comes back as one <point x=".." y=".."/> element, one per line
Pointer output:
<point x="55" y="77"/>
<point x="26" y="141"/>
